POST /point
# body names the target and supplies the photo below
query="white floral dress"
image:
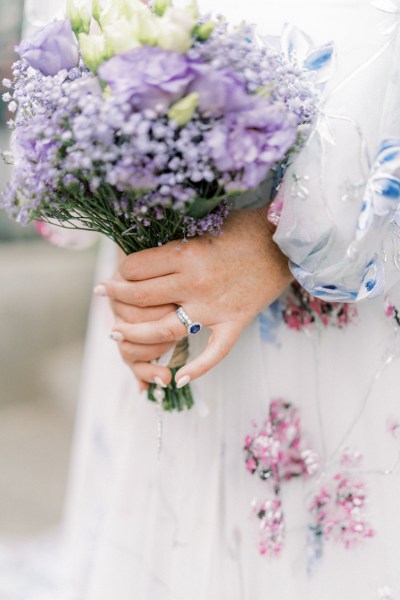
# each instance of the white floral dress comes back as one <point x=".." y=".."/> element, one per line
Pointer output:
<point x="284" y="481"/>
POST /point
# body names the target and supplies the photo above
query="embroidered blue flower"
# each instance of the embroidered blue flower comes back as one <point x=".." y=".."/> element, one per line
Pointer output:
<point x="299" y="49"/>
<point x="382" y="194"/>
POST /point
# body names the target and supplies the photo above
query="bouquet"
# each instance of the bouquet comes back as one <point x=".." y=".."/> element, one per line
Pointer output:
<point x="142" y="122"/>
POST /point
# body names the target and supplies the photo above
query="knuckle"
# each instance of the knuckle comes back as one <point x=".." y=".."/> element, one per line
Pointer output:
<point x="126" y="267"/>
<point x="167" y="335"/>
<point x="199" y="283"/>
<point x="222" y="349"/>
<point x="127" y="351"/>
<point x="141" y="299"/>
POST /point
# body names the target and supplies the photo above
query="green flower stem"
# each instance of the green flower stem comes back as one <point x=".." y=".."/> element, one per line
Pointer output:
<point x="174" y="399"/>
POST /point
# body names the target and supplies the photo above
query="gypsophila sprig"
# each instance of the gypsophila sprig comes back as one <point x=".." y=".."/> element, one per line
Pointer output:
<point x="141" y="124"/>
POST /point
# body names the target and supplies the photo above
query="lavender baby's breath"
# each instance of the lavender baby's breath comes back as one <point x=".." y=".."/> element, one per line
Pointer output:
<point x="117" y="162"/>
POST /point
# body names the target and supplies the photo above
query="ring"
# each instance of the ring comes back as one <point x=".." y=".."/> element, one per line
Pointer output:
<point x="192" y="327"/>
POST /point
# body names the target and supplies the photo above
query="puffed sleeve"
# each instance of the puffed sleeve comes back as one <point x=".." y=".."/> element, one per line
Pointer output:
<point x="340" y="218"/>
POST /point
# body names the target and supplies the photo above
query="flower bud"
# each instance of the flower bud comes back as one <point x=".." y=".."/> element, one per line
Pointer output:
<point x="148" y="28"/>
<point x="113" y="10"/>
<point x="79" y="13"/>
<point x="160" y="6"/>
<point x="97" y="10"/>
<point x="203" y="31"/>
<point x="176" y="29"/>
<point x="121" y="36"/>
<point x="182" y="111"/>
<point x="264" y="91"/>
<point x="93" y="49"/>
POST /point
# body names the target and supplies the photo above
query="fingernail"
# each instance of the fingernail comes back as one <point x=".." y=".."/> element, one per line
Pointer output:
<point x="182" y="381"/>
<point x="100" y="290"/>
<point x="116" y="336"/>
<point x="159" y="381"/>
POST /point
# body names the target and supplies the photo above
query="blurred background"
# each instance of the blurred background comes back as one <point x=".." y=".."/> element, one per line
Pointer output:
<point x="44" y="299"/>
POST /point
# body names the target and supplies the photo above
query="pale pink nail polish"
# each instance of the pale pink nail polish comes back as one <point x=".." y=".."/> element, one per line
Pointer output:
<point x="116" y="336"/>
<point x="182" y="381"/>
<point x="159" y="381"/>
<point x="100" y="290"/>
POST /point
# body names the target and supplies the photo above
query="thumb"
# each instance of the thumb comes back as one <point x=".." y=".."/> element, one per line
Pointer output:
<point x="220" y="343"/>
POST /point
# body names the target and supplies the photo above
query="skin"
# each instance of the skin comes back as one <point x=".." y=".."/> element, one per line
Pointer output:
<point x="222" y="281"/>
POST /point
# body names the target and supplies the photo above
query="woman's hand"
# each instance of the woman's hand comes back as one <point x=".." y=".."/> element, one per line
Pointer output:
<point x="222" y="281"/>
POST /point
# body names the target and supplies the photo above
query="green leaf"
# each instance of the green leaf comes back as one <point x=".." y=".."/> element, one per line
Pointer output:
<point x="200" y="207"/>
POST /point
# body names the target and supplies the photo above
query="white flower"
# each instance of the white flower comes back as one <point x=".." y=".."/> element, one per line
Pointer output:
<point x="93" y="49"/>
<point x="176" y="27"/>
<point x="148" y="28"/>
<point x="113" y="10"/>
<point x="80" y="15"/>
<point x="121" y="35"/>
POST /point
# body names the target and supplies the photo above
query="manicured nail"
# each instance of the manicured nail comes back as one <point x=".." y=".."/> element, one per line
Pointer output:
<point x="116" y="336"/>
<point x="159" y="381"/>
<point x="100" y="290"/>
<point x="182" y="381"/>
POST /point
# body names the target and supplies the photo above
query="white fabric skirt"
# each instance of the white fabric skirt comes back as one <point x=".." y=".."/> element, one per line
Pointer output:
<point x="183" y="526"/>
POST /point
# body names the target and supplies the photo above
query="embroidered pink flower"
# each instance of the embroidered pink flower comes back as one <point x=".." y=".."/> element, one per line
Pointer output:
<point x="391" y="310"/>
<point x="251" y="465"/>
<point x="338" y="511"/>
<point x="275" y="450"/>
<point x="275" y="211"/>
<point x="272" y="526"/>
<point x="393" y="427"/>
<point x="276" y="453"/>
<point x="350" y="458"/>
<point x="301" y="310"/>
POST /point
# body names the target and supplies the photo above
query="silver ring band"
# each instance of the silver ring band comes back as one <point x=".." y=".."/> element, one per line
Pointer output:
<point x="192" y="327"/>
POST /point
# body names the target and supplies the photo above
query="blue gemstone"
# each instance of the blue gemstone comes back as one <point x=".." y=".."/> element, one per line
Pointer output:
<point x="195" y="328"/>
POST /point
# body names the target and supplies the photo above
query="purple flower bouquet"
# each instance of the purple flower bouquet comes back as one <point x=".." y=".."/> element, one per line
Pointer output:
<point x="140" y="123"/>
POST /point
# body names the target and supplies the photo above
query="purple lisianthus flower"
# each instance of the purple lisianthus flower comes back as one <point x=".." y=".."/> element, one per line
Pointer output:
<point x="220" y="91"/>
<point x="252" y="141"/>
<point x="51" y="48"/>
<point x="148" y="77"/>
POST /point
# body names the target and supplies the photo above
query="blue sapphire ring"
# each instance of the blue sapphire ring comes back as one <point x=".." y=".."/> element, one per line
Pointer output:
<point x="192" y="327"/>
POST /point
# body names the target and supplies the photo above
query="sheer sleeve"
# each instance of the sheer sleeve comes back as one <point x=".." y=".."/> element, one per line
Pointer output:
<point x="340" y="217"/>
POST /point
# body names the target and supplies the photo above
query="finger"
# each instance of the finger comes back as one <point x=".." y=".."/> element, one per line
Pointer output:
<point x="220" y="343"/>
<point x="152" y="373"/>
<point x="142" y="385"/>
<point x="154" y="262"/>
<point x="140" y="352"/>
<point x="134" y="314"/>
<point x="166" y="330"/>
<point x="153" y="292"/>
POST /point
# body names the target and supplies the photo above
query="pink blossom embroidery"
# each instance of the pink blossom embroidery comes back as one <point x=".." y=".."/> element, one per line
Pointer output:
<point x="391" y="311"/>
<point x="301" y="310"/>
<point x="276" y="453"/>
<point x="338" y="511"/>
<point x="272" y="526"/>
<point x="393" y="427"/>
<point x="275" y="211"/>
